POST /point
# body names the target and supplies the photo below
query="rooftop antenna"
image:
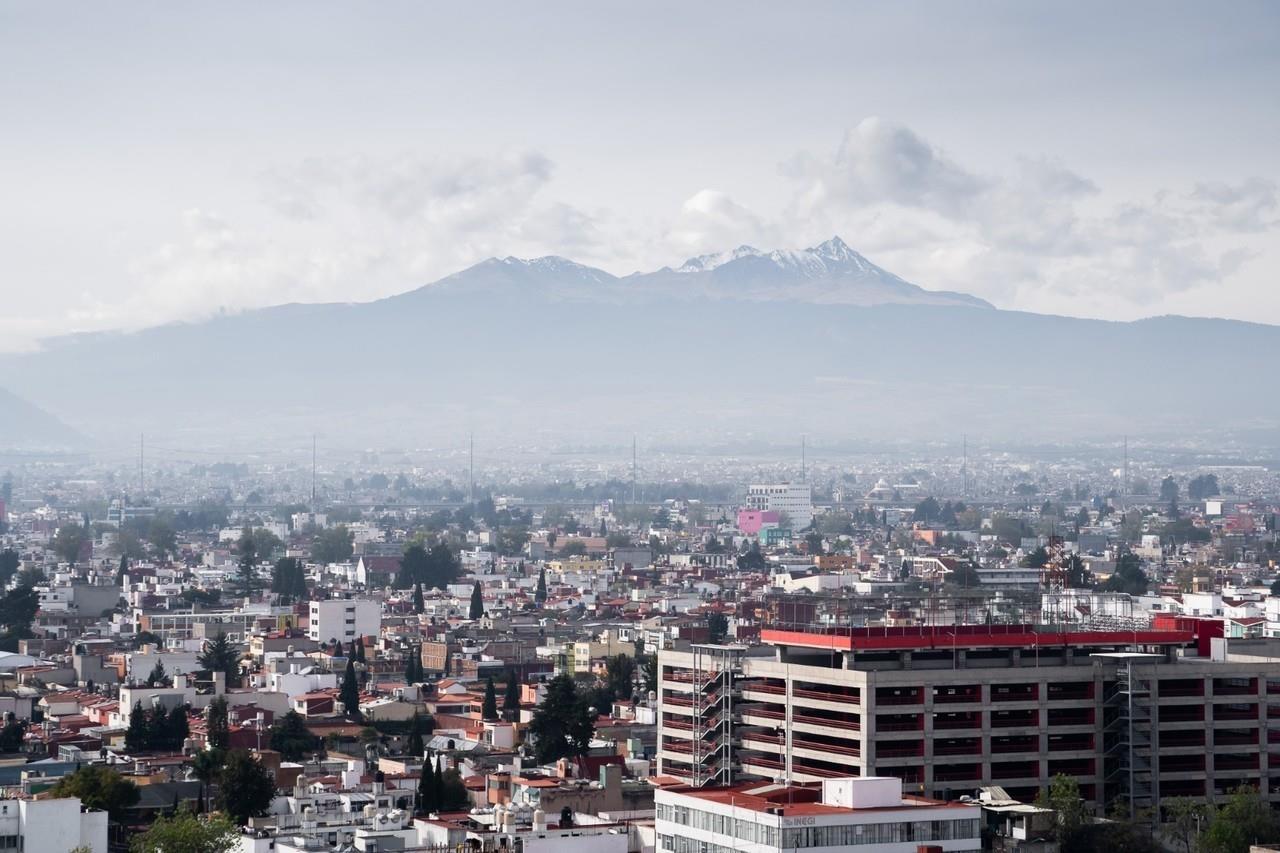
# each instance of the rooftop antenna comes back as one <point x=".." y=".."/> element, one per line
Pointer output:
<point x="633" y="468"/>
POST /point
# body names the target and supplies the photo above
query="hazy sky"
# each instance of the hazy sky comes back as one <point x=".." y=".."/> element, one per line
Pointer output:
<point x="165" y="161"/>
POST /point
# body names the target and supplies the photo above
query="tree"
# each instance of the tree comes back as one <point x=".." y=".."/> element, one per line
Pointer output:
<point x="453" y="792"/>
<point x="419" y="604"/>
<point x="813" y="544"/>
<point x="9" y="565"/>
<point x="1037" y="559"/>
<point x="218" y="730"/>
<point x="184" y="832"/>
<point x="18" y="607"/>
<point x="162" y="537"/>
<point x="137" y="736"/>
<point x="1169" y="490"/>
<point x="414" y="746"/>
<point x="291" y="737"/>
<point x="245" y="787"/>
<point x="1204" y="486"/>
<point x="158" y="677"/>
<point x="1246" y="819"/>
<point x="477" y="601"/>
<point x="927" y="510"/>
<point x="649" y="673"/>
<point x="753" y="560"/>
<point x="540" y="594"/>
<point x="427" y="799"/>
<point x="717" y="626"/>
<point x="413" y="673"/>
<point x="333" y="545"/>
<point x="11" y="736"/>
<point x="574" y="548"/>
<point x="620" y="674"/>
<point x="1128" y="576"/>
<point x="206" y="765"/>
<point x="489" y="710"/>
<point x="350" y="693"/>
<point x="220" y="656"/>
<point x="246" y="579"/>
<point x="1063" y="796"/>
<point x="70" y="541"/>
<point x="99" y="787"/>
<point x="1184" y="817"/>
<point x="289" y="579"/>
<point x="511" y="698"/>
<point x="177" y="727"/>
<point x="562" y="726"/>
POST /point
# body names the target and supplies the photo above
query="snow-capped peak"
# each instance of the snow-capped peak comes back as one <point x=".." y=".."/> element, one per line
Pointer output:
<point x="702" y="263"/>
<point x="834" y="249"/>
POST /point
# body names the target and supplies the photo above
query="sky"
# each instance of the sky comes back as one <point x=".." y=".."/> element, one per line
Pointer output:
<point x="167" y="162"/>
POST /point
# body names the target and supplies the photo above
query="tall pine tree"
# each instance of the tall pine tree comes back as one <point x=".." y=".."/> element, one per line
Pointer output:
<point x="477" y="601"/>
<point x="489" y="710"/>
<point x="350" y="693"/>
<point x="511" y="699"/>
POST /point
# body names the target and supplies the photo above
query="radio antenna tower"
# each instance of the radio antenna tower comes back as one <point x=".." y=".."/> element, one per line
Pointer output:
<point x="313" y="471"/>
<point x="471" y="477"/>
<point x="142" y="484"/>
<point x="633" y="469"/>
<point x="803" y="441"/>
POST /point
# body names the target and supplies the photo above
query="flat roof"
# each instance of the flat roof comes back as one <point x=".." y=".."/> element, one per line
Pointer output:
<point x="965" y="637"/>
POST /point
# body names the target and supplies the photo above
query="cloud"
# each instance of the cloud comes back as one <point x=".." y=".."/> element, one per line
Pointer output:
<point x="711" y="221"/>
<point x="1041" y="237"/>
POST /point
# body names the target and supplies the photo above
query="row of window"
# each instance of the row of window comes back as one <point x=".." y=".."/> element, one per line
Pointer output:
<point x="814" y="836"/>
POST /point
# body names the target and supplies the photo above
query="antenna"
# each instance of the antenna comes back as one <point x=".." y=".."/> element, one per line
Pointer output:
<point x="803" y="442"/>
<point x="142" y="485"/>
<point x="1124" y="476"/>
<point x="964" y="465"/>
<point x="471" y="484"/>
<point x="633" y="468"/>
<point x="313" y="471"/>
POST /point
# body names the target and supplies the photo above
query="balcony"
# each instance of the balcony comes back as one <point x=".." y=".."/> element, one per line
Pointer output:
<point x="1235" y="687"/>
<point x="1070" y="743"/>
<point x="833" y="719"/>
<point x="1013" y="770"/>
<point x="827" y="692"/>
<point x="899" y="722"/>
<point x="1015" y="719"/>
<point x="1069" y="691"/>
<point x="1235" y="737"/>
<point x="1074" y="767"/>
<point x="1234" y="761"/>
<point x="1181" y="714"/>
<point x="958" y="746"/>
<point x="852" y="751"/>
<point x="956" y="772"/>
<point x="1235" y="712"/>
<point x="1182" y="763"/>
<point x="950" y="695"/>
<point x="1015" y="692"/>
<point x="905" y="749"/>
<point x="1173" y="688"/>
<point x="898" y="696"/>
<point x="1183" y="738"/>
<point x="1070" y="716"/>
<point x="1006" y="745"/>
<point x="958" y="720"/>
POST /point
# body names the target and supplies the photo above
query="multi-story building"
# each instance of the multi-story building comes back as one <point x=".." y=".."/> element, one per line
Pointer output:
<point x="1134" y="715"/>
<point x="795" y="499"/>
<point x="58" y="824"/>
<point x="344" y="619"/>
<point x="837" y="814"/>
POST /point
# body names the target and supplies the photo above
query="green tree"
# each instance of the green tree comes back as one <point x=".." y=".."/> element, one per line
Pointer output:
<point x="177" y="727"/>
<point x="649" y="672"/>
<point x="561" y="726"/>
<point x="453" y="792"/>
<point x="1169" y="490"/>
<point x="1184" y="818"/>
<point x="1246" y="819"/>
<point x="511" y="698"/>
<point x="427" y="799"/>
<point x="206" y="765"/>
<point x="540" y="594"/>
<point x="137" y="737"/>
<point x="1204" y="486"/>
<point x="289" y="580"/>
<point x="10" y="562"/>
<point x="11" y="736"/>
<point x="717" y="626"/>
<point x="1063" y="796"/>
<point x="333" y="545"/>
<point x="245" y="787"/>
<point x="220" y="655"/>
<point x="620" y="674"/>
<point x="158" y="677"/>
<point x="477" y="601"/>
<point x="413" y="566"/>
<point x="99" y="787"/>
<point x="69" y="542"/>
<point x="489" y="709"/>
<point x="1128" y="576"/>
<point x="291" y="737"/>
<point x="574" y="548"/>
<point x="187" y="833"/>
<point x="162" y="537"/>
<point x="419" y="604"/>
<point x="350" y="693"/>
<point x="414" y="746"/>
<point x="218" y="730"/>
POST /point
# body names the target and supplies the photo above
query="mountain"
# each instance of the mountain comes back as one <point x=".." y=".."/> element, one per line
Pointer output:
<point x="746" y="343"/>
<point x="23" y="425"/>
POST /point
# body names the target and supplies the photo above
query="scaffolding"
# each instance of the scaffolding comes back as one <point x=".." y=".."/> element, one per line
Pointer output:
<point x="714" y="688"/>
<point x="1131" y="734"/>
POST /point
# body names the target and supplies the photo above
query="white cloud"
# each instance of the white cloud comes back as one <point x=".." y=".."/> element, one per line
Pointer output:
<point x="711" y="221"/>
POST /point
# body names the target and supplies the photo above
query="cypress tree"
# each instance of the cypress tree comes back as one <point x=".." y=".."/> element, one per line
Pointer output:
<point x="511" y="700"/>
<point x="477" y="601"/>
<point x="540" y="594"/>
<point x="350" y="693"/>
<point x="418" y="604"/>
<point x="489" y="710"/>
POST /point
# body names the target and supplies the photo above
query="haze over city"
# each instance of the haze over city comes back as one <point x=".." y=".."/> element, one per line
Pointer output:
<point x="639" y="428"/>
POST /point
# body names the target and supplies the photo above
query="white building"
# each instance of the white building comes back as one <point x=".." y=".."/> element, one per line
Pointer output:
<point x="795" y="499"/>
<point x="870" y="813"/>
<point x="53" y="825"/>
<point x="344" y="619"/>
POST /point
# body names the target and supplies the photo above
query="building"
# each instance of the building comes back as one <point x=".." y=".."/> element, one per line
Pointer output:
<point x="833" y="815"/>
<point x="51" y="825"/>
<point x="344" y="619"/>
<point x="795" y="499"/>
<point x="1133" y="714"/>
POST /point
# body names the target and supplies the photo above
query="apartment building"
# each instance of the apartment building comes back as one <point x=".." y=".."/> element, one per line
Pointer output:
<point x="795" y="499"/>
<point x="837" y="814"/>
<point x="1134" y="715"/>
<point x="344" y="619"/>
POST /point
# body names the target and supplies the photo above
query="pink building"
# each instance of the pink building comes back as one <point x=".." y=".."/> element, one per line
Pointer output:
<point x="752" y="521"/>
